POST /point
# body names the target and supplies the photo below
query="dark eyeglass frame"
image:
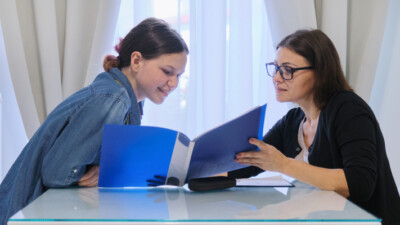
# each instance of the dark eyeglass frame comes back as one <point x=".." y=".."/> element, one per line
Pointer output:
<point x="291" y="69"/>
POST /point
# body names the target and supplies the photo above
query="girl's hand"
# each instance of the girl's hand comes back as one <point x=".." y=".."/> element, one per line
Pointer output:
<point x="268" y="158"/>
<point x="90" y="178"/>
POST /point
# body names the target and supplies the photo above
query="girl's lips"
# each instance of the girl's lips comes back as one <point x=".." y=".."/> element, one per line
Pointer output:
<point x="165" y="93"/>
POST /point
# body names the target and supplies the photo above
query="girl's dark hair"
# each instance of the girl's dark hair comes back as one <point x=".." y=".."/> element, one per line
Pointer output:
<point x="319" y="51"/>
<point x="152" y="38"/>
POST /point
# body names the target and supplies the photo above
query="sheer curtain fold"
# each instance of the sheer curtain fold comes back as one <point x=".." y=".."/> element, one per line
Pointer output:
<point x="52" y="47"/>
<point x="103" y="37"/>
<point x="212" y="37"/>
<point x="239" y="58"/>
<point x="287" y="16"/>
<point x="20" y="44"/>
<point x="49" y="55"/>
<point x="141" y="10"/>
<point x="337" y="28"/>
<point x="385" y="96"/>
<point x="365" y="34"/>
<point x="90" y="29"/>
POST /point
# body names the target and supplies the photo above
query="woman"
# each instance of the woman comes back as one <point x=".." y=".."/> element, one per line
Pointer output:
<point x="332" y="140"/>
<point x="65" y="150"/>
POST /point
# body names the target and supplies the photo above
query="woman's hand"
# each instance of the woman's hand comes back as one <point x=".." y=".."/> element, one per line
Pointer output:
<point x="90" y="178"/>
<point x="268" y="158"/>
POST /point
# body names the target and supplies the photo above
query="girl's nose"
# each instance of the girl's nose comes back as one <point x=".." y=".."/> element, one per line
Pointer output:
<point x="173" y="82"/>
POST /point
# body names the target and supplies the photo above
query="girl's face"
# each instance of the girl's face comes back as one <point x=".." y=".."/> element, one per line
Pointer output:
<point x="298" y="90"/>
<point x="157" y="78"/>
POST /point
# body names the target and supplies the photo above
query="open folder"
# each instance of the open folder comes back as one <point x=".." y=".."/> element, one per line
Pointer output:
<point x="133" y="155"/>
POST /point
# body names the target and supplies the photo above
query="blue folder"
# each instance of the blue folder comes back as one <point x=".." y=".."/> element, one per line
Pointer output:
<point x="134" y="156"/>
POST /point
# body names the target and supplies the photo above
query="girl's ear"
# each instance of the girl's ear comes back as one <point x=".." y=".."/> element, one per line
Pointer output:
<point x="136" y="61"/>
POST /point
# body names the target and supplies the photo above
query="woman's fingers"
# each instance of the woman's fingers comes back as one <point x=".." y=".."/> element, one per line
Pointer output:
<point x="268" y="158"/>
<point x="256" y="142"/>
<point x="253" y="154"/>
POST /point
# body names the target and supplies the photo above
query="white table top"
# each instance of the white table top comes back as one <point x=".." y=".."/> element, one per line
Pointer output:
<point x="301" y="204"/>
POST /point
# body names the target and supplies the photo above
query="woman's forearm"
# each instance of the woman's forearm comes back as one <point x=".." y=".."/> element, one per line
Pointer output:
<point x="325" y="179"/>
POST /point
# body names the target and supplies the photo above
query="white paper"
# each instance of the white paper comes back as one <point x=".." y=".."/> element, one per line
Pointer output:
<point x="275" y="181"/>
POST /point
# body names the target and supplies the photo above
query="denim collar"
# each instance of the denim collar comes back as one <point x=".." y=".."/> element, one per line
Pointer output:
<point x="136" y="111"/>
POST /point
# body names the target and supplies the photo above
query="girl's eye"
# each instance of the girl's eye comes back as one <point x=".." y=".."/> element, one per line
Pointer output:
<point x="166" y="72"/>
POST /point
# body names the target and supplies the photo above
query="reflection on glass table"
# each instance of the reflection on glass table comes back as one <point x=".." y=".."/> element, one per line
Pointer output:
<point x="177" y="204"/>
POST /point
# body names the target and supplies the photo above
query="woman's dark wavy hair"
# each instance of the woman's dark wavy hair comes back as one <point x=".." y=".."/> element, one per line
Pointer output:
<point x="319" y="51"/>
<point x="152" y="38"/>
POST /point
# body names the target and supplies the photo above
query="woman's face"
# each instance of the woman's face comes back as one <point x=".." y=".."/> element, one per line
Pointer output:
<point x="157" y="78"/>
<point x="298" y="90"/>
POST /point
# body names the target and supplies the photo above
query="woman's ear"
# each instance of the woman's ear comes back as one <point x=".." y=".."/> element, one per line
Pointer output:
<point x="136" y="61"/>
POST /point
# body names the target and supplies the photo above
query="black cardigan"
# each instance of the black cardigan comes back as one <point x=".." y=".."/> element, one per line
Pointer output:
<point x="348" y="136"/>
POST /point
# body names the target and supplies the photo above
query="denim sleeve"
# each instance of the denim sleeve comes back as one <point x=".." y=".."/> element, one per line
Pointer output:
<point x="78" y="145"/>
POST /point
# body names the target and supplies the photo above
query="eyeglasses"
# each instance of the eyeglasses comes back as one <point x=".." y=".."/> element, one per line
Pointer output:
<point x="286" y="72"/>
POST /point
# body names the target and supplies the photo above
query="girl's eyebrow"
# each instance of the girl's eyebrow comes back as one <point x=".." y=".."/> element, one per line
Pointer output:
<point x="173" y="68"/>
<point x="170" y="67"/>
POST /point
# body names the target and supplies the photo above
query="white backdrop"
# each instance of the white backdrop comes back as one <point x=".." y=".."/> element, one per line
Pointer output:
<point x="222" y="52"/>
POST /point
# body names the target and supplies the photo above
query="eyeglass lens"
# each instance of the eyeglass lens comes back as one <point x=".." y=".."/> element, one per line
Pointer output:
<point x="285" y="71"/>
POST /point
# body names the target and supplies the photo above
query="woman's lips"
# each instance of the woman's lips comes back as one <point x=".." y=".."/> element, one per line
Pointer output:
<point x="278" y="89"/>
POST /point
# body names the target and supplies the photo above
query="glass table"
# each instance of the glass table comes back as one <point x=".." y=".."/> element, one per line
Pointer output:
<point x="301" y="204"/>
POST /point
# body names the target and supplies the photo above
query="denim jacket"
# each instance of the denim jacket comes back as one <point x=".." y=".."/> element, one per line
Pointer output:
<point x="68" y="141"/>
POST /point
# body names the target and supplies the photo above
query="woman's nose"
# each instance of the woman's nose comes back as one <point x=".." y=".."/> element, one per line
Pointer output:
<point x="278" y="77"/>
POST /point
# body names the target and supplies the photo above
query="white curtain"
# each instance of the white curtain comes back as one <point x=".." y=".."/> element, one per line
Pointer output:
<point x="53" y="48"/>
<point x="385" y="95"/>
<point x="287" y="16"/>
<point x="13" y="136"/>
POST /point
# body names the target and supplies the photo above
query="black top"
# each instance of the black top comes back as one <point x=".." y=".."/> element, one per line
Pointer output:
<point x="348" y="136"/>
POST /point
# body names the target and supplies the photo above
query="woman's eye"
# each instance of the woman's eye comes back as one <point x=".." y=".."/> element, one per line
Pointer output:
<point x="286" y="69"/>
